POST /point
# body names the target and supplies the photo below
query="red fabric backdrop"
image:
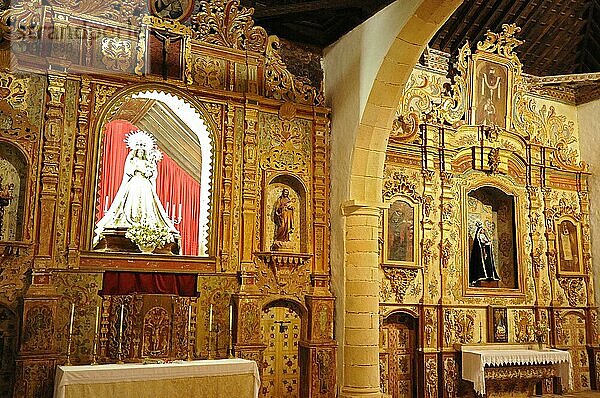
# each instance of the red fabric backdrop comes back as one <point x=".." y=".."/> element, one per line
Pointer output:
<point x="150" y="283"/>
<point x="173" y="184"/>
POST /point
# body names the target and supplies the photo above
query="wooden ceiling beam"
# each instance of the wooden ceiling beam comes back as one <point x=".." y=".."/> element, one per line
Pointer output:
<point x="287" y="10"/>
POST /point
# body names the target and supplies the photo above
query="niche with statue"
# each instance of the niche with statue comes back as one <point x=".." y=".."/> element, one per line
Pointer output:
<point x="284" y="224"/>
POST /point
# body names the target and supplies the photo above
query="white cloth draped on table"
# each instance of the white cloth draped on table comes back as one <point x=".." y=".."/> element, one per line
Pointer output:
<point x="475" y="360"/>
<point x="202" y="371"/>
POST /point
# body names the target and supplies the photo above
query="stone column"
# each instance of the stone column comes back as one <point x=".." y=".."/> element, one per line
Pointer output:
<point x="361" y="328"/>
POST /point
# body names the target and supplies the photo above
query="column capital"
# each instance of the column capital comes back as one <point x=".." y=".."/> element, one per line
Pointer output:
<point x="356" y="208"/>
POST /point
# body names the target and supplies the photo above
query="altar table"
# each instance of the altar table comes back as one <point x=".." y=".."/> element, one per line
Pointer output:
<point x="474" y="361"/>
<point x="209" y="379"/>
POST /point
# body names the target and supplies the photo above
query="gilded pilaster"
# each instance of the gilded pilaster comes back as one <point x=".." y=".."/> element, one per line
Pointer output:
<point x="320" y="194"/>
<point x="53" y="131"/>
<point x="79" y="171"/>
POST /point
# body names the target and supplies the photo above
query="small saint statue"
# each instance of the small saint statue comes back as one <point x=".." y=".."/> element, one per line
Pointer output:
<point x="283" y="217"/>
<point x="482" y="267"/>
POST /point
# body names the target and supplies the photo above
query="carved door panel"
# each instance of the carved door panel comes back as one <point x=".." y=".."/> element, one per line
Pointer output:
<point x="397" y="356"/>
<point x="280" y="327"/>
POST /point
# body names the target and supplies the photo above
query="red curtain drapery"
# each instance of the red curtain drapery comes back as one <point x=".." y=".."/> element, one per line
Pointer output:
<point x="173" y="184"/>
<point x="115" y="283"/>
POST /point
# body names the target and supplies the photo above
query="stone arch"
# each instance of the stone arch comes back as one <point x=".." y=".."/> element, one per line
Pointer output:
<point x="358" y="164"/>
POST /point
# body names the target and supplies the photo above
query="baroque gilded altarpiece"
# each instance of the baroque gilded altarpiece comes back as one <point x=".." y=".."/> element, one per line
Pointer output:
<point x="464" y="133"/>
<point x="66" y="67"/>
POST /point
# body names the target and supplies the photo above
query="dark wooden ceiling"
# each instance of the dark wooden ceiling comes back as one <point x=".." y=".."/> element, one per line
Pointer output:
<point x="561" y="36"/>
<point x="314" y="22"/>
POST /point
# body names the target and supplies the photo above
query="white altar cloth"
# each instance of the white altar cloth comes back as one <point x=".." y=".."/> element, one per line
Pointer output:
<point x="123" y="373"/>
<point x="474" y="360"/>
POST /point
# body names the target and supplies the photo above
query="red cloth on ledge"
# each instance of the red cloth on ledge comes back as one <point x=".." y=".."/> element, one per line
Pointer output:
<point x="118" y="283"/>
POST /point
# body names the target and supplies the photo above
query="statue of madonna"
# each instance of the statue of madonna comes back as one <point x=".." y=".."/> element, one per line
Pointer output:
<point x="136" y="201"/>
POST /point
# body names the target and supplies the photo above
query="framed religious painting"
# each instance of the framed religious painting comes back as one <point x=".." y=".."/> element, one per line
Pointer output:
<point x="568" y="246"/>
<point x="498" y="325"/>
<point x="491" y="80"/>
<point x="401" y="233"/>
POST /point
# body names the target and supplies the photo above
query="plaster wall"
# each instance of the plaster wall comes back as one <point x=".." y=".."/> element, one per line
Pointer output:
<point x="589" y="138"/>
<point x="350" y="66"/>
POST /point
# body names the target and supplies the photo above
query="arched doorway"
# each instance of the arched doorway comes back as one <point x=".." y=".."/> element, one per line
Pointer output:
<point x="398" y="344"/>
<point x="281" y="330"/>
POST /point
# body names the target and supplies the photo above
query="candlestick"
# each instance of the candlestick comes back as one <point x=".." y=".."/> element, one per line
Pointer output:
<point x="72" y="316"/>
<point x="120" y="350"/>
<point x="70" y="339"/>
<point x="189" y="317"/>
<point x="168" y="209"/>
<point x="173" y="212"/>
<point x="95" y="349"/>
<point x="106" y="203"/>
<point x="230" y="348"/>
<point x="210" y="316"/>
<point x="480" y="332"/>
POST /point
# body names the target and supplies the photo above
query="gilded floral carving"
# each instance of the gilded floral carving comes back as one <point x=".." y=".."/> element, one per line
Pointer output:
<point x="116" y="53"/>
<point x="574" y="289"/>
<point x="226" y="23"/>
<point x="400" y="280"/>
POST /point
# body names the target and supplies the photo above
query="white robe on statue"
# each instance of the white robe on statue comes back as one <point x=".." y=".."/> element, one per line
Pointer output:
<point x="136" y="201"/>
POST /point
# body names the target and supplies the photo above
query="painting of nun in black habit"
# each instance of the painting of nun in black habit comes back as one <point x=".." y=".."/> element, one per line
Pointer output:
<point x="482" y="266"/>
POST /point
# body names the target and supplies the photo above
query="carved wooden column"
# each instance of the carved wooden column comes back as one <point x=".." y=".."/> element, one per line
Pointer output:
<point x="249" y="195"/>
<point x="81" y="140"/>
<point x="53" y="130"/>
<point x="361" y="326"/>
<point x="228" y="154"/>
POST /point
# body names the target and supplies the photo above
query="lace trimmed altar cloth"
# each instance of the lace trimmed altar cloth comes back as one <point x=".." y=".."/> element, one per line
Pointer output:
<point x="222" y="378"/>
<point x="474" y="361"/>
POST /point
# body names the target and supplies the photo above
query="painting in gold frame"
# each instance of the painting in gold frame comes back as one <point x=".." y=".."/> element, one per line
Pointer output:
<point x="401" y="233"/>
<point x="491" y="90"/>
<point x="498" y="324"/>
<point x="568" y="244"/>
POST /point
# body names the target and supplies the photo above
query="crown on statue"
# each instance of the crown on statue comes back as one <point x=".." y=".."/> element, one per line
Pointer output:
<point x="140" y="140"/>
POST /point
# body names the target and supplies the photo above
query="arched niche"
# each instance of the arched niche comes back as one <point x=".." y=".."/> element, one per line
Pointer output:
<point x="13" y="188"/>
<point x="182" y="176"/>
<point x="492" y="239"/>
<point x="275" y="191"/>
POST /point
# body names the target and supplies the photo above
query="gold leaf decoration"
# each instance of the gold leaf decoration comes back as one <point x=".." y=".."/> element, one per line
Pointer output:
<point x="22" y="22"/>
<point x="281" y="83"/>
<point x="226" y="23"/>
<point x="502" y="43"/>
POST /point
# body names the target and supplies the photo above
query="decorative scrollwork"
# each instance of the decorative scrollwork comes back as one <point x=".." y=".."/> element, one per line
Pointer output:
<point x="400" y="279"/>
<point x="502" y="43"/>
<point x="226" y="23"/>
<point x="281" y="83"/>
<point x="22" y="22"/>
<point x="574" y="289"/>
